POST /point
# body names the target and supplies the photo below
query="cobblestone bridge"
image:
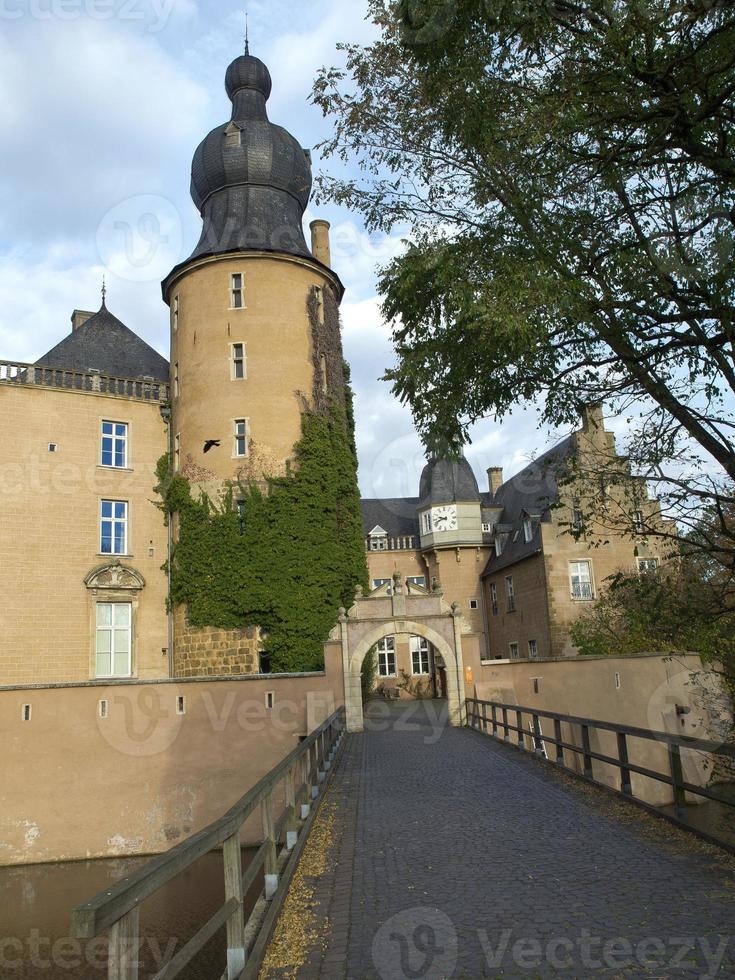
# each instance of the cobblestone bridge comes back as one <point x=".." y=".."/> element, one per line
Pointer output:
<point x="440" y="853"/>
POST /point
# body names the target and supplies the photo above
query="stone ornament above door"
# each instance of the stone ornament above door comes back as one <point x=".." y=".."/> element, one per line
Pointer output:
<point x="114" y="575"/>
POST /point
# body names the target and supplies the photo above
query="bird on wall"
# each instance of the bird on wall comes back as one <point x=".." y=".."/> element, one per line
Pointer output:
<point x="210" y="444"/>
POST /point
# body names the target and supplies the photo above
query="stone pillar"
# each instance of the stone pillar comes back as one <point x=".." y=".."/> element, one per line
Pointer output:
<point x="353" y="687"/>
<point x="455" y="675"/>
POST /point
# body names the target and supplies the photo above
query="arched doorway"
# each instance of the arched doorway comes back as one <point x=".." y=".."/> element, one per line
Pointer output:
<point x="453" y="668"/>
<point x="404" y="666"/>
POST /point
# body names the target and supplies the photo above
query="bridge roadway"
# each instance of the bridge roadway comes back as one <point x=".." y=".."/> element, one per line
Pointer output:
<point x="439" y="853"/>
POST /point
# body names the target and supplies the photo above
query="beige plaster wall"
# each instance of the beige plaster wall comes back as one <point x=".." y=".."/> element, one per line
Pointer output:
<point x="641" y="691"/>
<point x="49" y="515"/>
<point x="529" y="620"/>
<point x="75" y="785"/>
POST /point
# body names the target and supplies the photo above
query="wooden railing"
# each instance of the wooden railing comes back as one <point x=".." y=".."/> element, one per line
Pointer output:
<point x="302" y="773"/>
<point x="144" y="389"/>
<point x="495" y="718"/>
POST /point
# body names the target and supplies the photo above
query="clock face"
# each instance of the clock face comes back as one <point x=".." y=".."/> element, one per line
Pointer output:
<point x="444" y="518"/>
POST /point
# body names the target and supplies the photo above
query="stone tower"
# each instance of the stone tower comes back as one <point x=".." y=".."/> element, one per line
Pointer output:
<point x="244" y="347"/>
<point x="255" y="331"/>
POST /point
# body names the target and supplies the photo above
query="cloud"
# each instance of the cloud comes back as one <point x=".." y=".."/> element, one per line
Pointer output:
<point x="91" y="115"/>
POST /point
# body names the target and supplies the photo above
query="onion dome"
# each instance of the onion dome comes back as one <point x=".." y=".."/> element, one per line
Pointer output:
<point x="445" y="481"/>
<point x="250" y="179"/>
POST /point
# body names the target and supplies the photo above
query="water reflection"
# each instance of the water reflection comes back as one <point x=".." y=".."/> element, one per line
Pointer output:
<point x="35" y="907"/>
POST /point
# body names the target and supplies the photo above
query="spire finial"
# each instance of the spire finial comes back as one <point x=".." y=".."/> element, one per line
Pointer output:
<point x="104" y="290"/>
<point x="247" y="34"/>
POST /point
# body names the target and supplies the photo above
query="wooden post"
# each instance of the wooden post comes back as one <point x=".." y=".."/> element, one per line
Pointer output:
<point x="519" y="726"/>
<point x="677" y="776"/>
<point x="124" y="947"/>
<point x="625" y="785"/>
<point x="559" y="748"/>
<point x="495" y="721"/>
<point x="292" y="823"/>
<point x="232" y="857"/>
<point x="506" y="730"/>
<point x="586" y="751"/>
<point x="271" y="856"/>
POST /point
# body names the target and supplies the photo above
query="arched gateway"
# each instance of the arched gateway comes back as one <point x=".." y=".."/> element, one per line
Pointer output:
<point x="399" y="612"/>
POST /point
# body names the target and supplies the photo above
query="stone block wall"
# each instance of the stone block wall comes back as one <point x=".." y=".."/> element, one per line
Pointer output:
<point x="209" y="652"/>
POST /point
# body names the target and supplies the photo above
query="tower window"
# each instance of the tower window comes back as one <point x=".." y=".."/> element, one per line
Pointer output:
<point x="236" y="290"/>
<point x="323" y="371"/>
<point x="232" y="136"/>
<point x="114" y="527"/>
<point x="238" y="369"/>
<point x="177" y="452"/>
<point x="320" y="304"/>
<point x="115" y="444"/>
<point x="175" y="313"/>
<point x="494" y="598"/>
<point x="241" y="437"/>
<point x="176" y="379"/>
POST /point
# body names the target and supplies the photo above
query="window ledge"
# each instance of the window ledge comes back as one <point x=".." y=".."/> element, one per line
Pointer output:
<point x="107" y="554"/>
<point x="116" y="469"/>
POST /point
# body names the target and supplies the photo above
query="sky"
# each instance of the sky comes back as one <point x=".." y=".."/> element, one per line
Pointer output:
<point x="102" y="105"/>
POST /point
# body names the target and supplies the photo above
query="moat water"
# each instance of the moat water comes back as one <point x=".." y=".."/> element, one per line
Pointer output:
<point x="35" y="911"/>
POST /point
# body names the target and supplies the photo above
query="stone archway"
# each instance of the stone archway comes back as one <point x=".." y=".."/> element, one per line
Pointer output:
<point x="380" y="614"/>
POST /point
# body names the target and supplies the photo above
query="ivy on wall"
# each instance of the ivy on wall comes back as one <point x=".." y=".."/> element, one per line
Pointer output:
<point x="284" y="556"/>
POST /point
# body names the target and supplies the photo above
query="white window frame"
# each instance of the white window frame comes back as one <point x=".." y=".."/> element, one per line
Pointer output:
<point x="533" y="649"/>
<point x="420" y="656"/>
<point x="112" y="630"/>
<point x="378" y="542"/>
<point x="385" y="652"/>
<point x="527" y="529"/>
<point x="638" y="521"/>
<point x="582" y="591"/>
<point x="416" y="580"/>
<point x="510" y="594"/>
<point x="474" y="603"/>
<point x="114" y="521"/>
<point x="514" y="651"/>
<point x="643" y="563"/>
<point x="485" y="527"/>
<point x="237" y="292"/>
<point x="236" y="360"/>
<point x="494" y="607"/>
<point x="124" y="439"/>
<point x="377" y="582"/>
<point x="498" y="546"/>
<point x="239" y="434"/>
<point x="426" y="522"/>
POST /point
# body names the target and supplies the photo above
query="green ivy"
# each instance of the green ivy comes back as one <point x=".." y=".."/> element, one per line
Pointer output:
<point x="294" y="556"/>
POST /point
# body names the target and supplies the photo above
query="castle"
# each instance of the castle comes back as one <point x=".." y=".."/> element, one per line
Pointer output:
<point x="254" y="346"/>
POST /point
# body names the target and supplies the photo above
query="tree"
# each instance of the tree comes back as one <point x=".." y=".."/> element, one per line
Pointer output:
<point x="565" y="170"/>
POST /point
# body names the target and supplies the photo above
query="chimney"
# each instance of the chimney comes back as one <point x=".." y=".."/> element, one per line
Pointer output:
<point x="494" y="479"/>
<point x="79" y="317"/>
<point x="592" y="417"/>
<point x="320" y="242"/>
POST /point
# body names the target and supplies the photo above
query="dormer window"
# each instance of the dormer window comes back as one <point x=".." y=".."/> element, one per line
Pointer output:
<point x="527" y="529"/>
<point x="378" y="539"/>
<point x="498" y="547"/>
<point x="232" y="136"/>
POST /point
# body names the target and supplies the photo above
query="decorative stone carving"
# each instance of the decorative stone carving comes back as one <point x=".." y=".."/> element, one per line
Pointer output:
<point x="114" y="575"/>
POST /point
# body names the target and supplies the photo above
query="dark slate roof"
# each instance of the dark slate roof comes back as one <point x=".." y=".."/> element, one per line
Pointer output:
<point x="106" y="345"/>
<point x="530" y="492"/>
<point x="396" y="515"/>
<point x="445" y="480"/>
<point x="251" y="188"/>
